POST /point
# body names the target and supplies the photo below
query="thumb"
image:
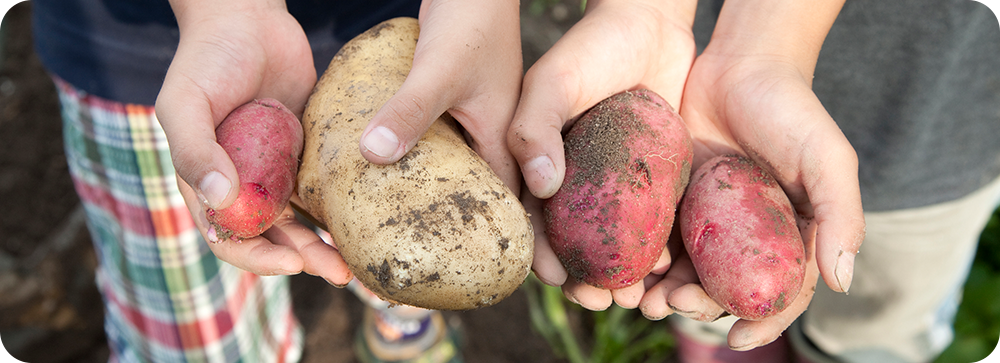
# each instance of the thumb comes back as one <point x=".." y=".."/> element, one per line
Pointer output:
<point x="402" y="121"/>
<point x="535" y="136"/>
<point x="188" y="122"/>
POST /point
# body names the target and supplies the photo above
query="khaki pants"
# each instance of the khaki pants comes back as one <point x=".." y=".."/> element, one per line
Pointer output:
<point x="907" y="285"/>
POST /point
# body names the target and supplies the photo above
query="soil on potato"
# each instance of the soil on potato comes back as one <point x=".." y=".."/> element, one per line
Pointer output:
<point x="50" y="310"/>
<point x="601" y="144"/>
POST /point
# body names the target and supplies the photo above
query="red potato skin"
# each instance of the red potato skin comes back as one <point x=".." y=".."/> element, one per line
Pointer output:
<point x="739" y="228"/>
<point x="264" y="140"/>
<point x="628" y="160"/>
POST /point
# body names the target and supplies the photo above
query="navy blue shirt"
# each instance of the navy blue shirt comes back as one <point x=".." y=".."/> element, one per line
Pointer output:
<point x="121" y="49"/>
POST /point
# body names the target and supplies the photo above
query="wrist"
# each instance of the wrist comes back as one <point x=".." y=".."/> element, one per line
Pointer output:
<point x="789" y="31"/>
<point x="193" y="11"/>
<point x="675" y="13"/>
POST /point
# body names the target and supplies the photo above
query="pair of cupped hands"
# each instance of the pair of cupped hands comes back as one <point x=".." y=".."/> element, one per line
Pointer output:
<point x="468" y="63"/>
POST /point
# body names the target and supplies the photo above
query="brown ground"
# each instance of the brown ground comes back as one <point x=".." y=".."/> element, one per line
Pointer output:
<point x="50" y="310"/>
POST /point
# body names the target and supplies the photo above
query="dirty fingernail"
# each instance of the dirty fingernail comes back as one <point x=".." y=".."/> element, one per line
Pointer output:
<point x="845" y="270"/>
<point x="339" y="286"/>
<point x="542" y="173"/>
<point x="381" y="141"/>
<point x="743" y="342"/>
<point x="214" y="188"/>
<point x="213" y="235"/>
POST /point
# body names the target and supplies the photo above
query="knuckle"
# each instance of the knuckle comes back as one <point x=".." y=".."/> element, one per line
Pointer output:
<point x="409" y="111"/>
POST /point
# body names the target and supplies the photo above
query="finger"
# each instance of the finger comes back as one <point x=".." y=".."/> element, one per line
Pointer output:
<point x="746" y="335"/>
<point x="319" y="258"/>
<point x="213" y="73"/>
<point x="447" y="74"/>
<point x="589" y="297"/>
<point x="595" y="59"/>
<point x="402" y="121"/>
<point x="535" y="136"/>
<point x="628" y="297"/>
<point x="555" y="90"/>
<point x="257" y="255"/>
<point x="839" y="218"/>
<point x="654" y="304"/>
<point x="489" y="142"/>
<point x="198" y="92"/>
<point x="188" y="122"/>
<point x="691" y="301"/>
<point x="832" y="200"/>
<point x="545" y="263"/>
<point x="823" y="187"/>
<point x="685" y="295"/>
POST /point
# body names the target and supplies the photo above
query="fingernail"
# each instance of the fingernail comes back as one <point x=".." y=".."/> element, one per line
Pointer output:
<point x="213" y="236"/>
<point x="572" y="298"/>
<point x="339" y="286"/>
<point x="687" y="314"/>
<point x="844" y="270"/>
<point x="745" y="347"/>
<point x="744" y="343"/>
<point x="544" y="171"/>
<point x="723" y="315"/>
<point x="652" y="317"/>
<point x="214" y="188"/>
<point x="695" y="315"/>
<point x="381" y="141"/>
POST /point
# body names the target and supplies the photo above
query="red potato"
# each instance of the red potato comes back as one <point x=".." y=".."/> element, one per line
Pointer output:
<point x="628" y="160"/>
<point x="739" y="228"/>
<point x="264" y="140"/>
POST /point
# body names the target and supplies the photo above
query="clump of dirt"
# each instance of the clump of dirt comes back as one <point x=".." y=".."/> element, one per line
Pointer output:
<point x="598" y="144"/>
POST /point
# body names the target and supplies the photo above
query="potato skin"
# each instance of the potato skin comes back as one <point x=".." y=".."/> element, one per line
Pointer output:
<point x="739" y="228"/>
<point x="628" y="160"/>
<point x="264" y="140"/>
<point x="438" y="229"/>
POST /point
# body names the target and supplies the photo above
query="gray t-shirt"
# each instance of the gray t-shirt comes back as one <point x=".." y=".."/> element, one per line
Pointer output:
<point x="915" y="86"/>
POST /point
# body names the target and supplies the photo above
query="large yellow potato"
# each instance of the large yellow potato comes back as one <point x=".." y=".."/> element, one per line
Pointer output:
<point x="438" y="229"/>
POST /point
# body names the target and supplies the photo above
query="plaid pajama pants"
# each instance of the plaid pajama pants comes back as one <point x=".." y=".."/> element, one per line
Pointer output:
<point x="167" y="298"/>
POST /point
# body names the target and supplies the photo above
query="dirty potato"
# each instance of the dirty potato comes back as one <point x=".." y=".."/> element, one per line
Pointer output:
<point x="438" y="229"/>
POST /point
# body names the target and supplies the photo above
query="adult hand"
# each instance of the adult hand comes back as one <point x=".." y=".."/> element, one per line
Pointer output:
<point x="468" y="63"/>
<point x="617" y="46"/>
<point x="231" y="52"/>
<point x="750" y="92"/>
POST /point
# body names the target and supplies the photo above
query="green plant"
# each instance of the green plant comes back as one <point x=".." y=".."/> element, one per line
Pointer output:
<point x="614" y="335"/>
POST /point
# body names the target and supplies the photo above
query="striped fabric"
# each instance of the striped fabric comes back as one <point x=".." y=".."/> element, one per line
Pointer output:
<point x="167" y="297"/>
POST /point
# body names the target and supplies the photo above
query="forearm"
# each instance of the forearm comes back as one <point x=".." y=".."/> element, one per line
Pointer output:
<point x="786" y="30"/>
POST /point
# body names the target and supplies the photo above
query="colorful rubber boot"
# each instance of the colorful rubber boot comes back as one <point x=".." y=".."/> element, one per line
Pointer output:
<point x="699" y="342"/>
<point x="404" y="334"/>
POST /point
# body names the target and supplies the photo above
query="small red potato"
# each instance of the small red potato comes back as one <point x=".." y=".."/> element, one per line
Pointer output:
<point x="628" y="160"/>
<point x="739" y="228"/>
<point x="264" y="140"/>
